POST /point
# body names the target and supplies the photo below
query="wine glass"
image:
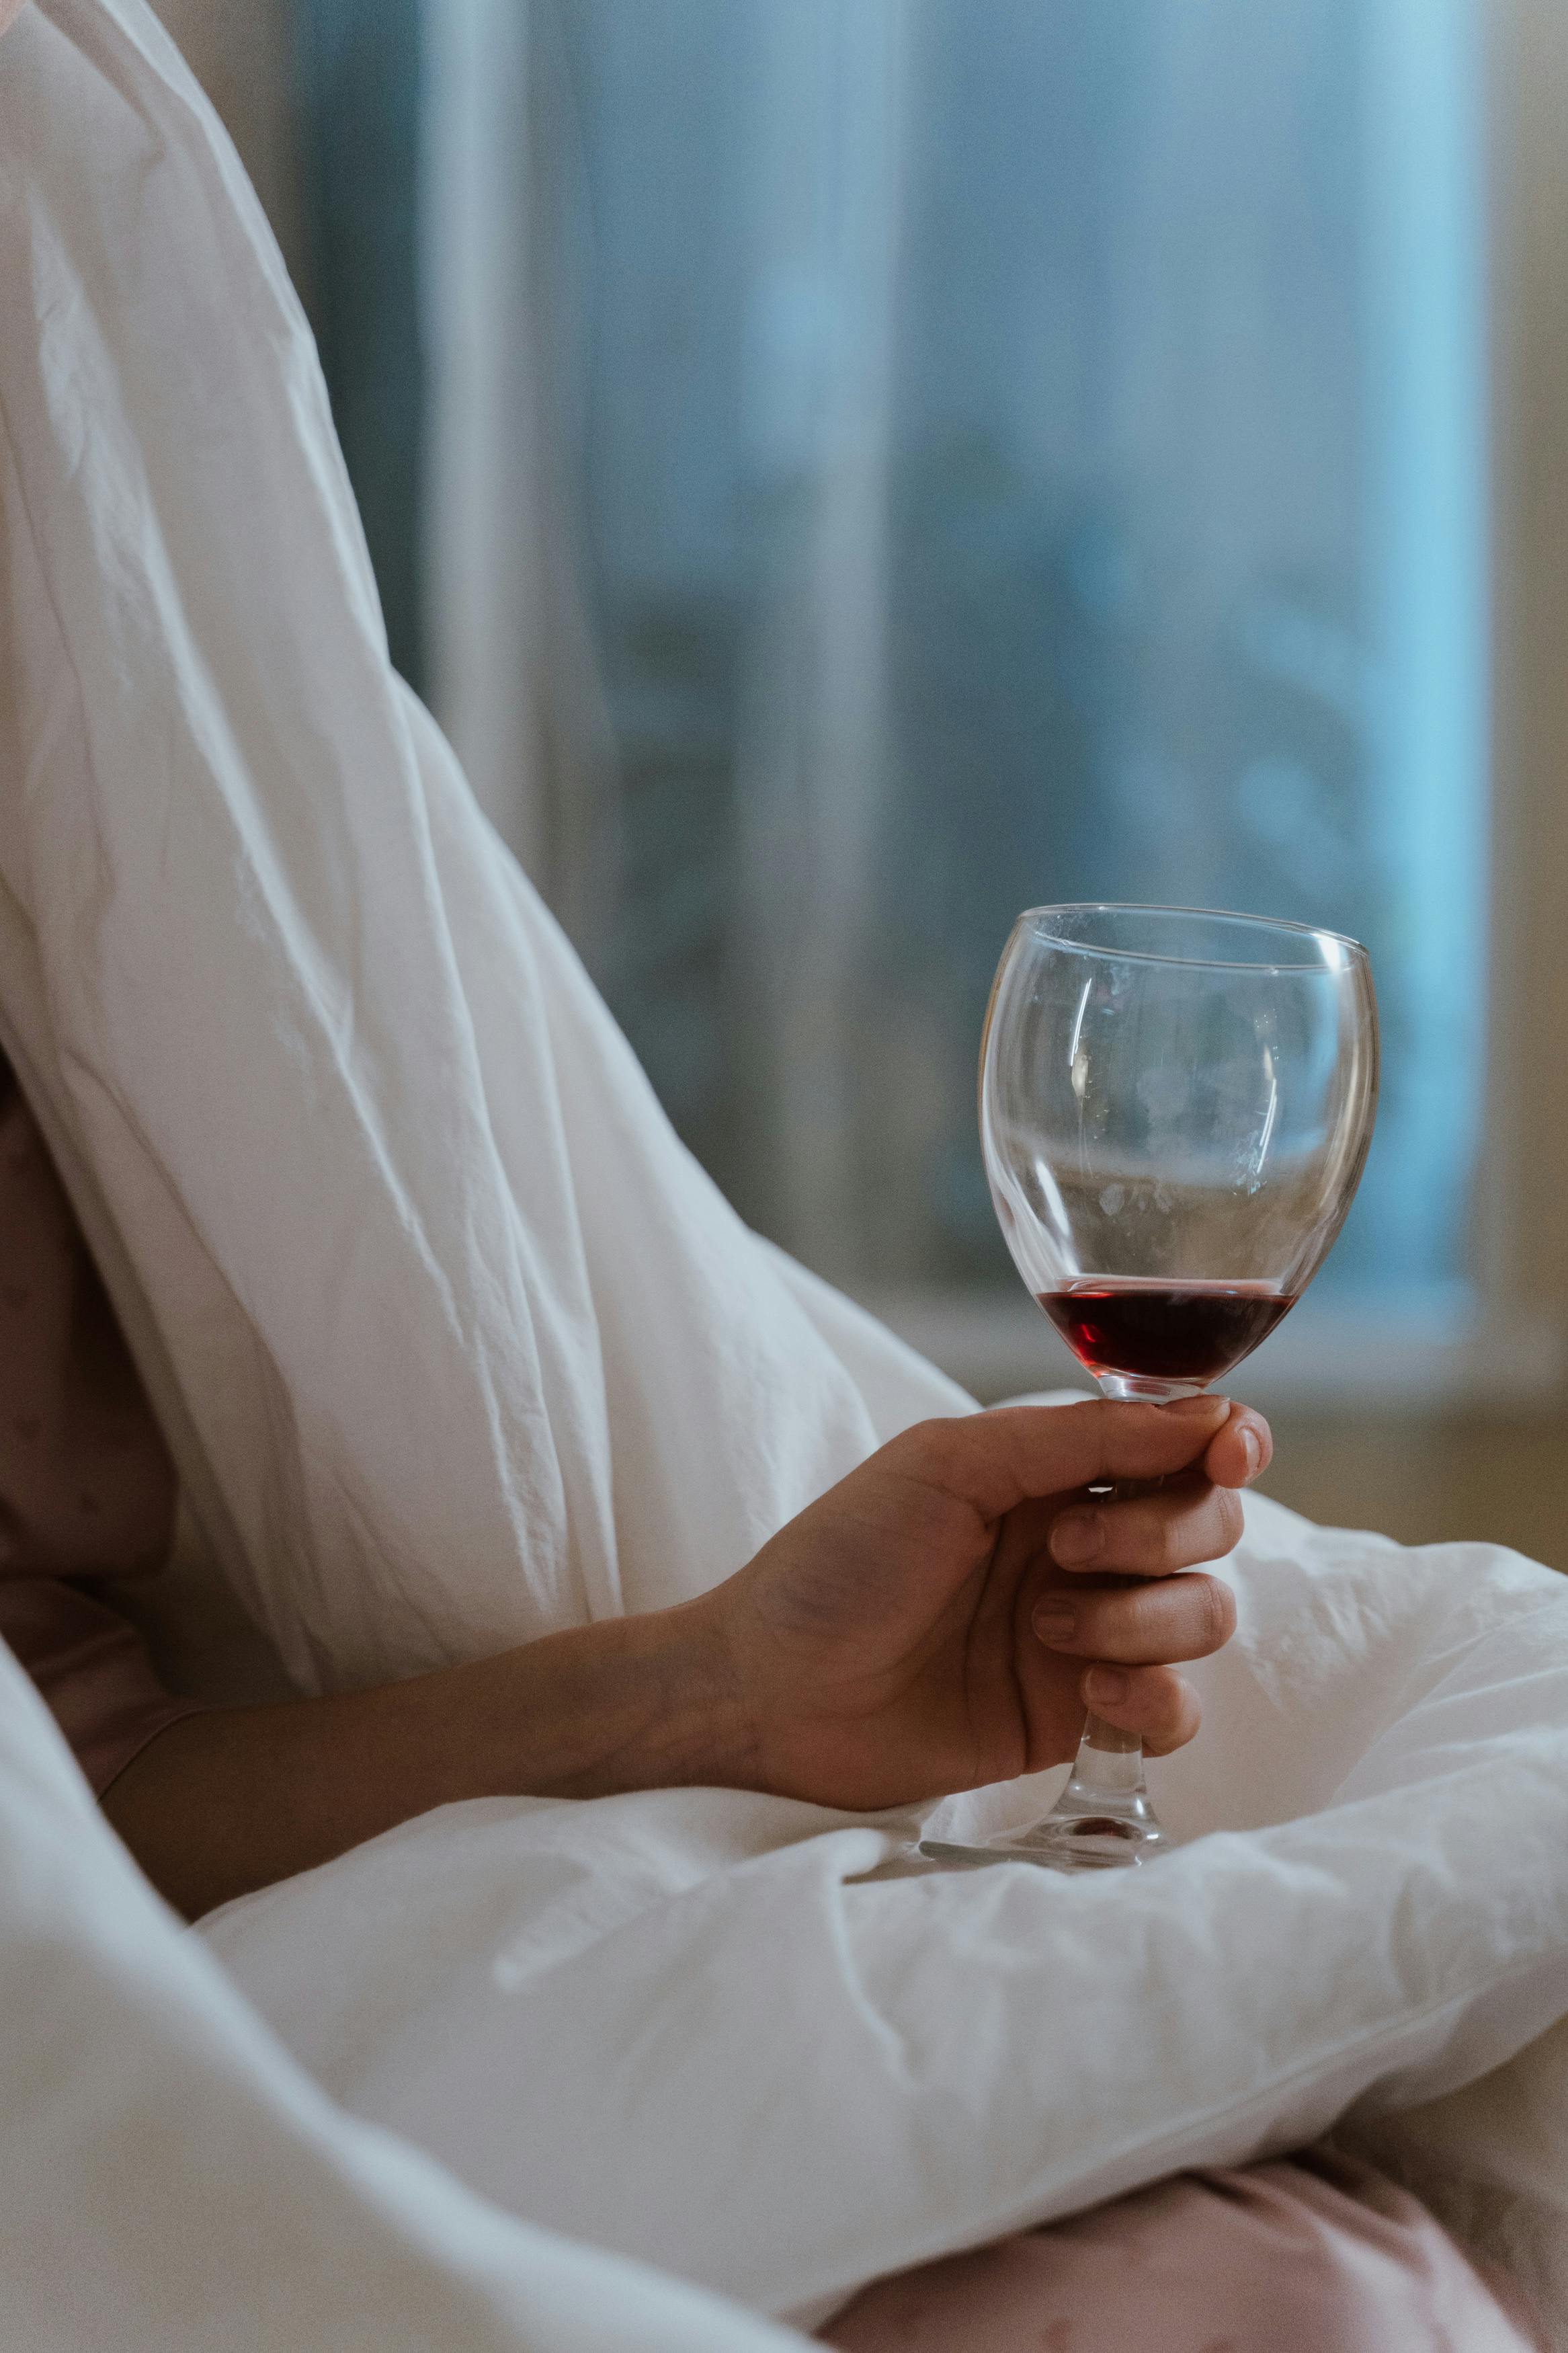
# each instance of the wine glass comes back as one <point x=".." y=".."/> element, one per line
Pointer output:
<point x="1175" y="1107"/>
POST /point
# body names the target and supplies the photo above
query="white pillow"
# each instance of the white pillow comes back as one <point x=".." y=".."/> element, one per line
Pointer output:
<point x="716" y="2029"/>
<point x="171" y="2183"/>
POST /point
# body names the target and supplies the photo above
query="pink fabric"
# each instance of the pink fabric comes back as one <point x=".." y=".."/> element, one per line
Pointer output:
<point x="87" y="1489"/>
<point x="1311" y="2255"/>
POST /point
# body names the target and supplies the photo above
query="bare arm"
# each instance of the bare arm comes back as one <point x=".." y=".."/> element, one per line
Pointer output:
<point x="232" y="1799"/>
<point x="928" y="1625"/>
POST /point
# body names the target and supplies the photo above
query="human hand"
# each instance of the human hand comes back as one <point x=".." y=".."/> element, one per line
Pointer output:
<point x="884" y="1646"/>
<point x="930" y="1623"/>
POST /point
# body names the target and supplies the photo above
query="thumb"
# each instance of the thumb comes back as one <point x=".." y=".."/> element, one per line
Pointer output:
<point x="994" y="1460"/>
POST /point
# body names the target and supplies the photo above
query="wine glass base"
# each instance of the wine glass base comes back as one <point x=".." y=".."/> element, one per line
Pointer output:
<point x="1097" y="1843"/>
<point x="1102" y="1822"/>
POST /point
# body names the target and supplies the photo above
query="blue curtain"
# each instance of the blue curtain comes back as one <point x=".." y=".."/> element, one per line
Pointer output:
<point x="358" y="63"/>
<point x="1022" y="450"/>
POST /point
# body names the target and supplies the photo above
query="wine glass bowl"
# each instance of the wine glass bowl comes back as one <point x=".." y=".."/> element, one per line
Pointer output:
<point x="1175" y="1107"/>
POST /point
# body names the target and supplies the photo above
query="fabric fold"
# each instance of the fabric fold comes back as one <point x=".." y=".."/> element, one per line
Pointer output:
<point x="455" y="1343"/>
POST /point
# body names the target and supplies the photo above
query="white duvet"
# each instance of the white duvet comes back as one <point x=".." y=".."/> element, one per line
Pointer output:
<point x="729" y="2034"/>
<point x="457" y="1346"/>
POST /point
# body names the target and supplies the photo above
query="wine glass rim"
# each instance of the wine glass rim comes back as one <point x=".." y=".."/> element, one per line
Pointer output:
<point x="1213" y="914"/>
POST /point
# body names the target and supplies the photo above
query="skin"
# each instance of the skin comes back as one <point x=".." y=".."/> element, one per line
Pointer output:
<point x="938" y="1619"/>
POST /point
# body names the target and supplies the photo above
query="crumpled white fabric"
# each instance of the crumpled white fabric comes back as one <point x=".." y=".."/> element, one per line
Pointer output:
<point x="736" y="2036"/>
<point x="171" y="2183"/>
<point x="455" y="1346"/>
<point x="455" y="1342"/>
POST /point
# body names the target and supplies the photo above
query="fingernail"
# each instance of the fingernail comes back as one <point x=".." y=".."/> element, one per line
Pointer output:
<point x="1251" y="1449"/>
<point x="1104" y="1686"/>
<point x="1055" y="1625"/>
<point x="1214" y="1408"/>
<point x="1077" y="1537"/>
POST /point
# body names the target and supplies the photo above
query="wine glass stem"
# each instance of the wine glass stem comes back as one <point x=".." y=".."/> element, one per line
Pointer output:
<point x="1103" y="1818"/>
<point x="1102" y="1742"/>
<point x="1101" y="1739"/>
<point x="1109" y="1739"/>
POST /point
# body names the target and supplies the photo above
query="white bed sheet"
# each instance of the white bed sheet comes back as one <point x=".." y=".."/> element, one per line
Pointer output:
<point x="171" y="2181"/>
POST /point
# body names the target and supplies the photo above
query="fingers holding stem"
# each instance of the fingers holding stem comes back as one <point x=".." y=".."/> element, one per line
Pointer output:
<point x="1133" y="1631"/>
<point x="1191" y="1515"/>
<point x="1152" y="1624"/>
<point x="1156" y="1702"/>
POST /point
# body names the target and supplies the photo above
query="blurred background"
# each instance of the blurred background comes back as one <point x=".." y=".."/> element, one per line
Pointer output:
<point x="843" y="470"/>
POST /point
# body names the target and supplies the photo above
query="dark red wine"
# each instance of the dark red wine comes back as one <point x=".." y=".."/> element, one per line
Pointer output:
<point x="1166" y="1332"/>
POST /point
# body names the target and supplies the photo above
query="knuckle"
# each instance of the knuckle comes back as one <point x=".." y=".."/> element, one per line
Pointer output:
<point x="1215" y="1607"/>
<point x="1164" y="1535"/>
<point x="935" y="1433"/>
<point x="1207" y="1531"/>
<point x="1171" y="1546"/>
<point x="1099" y="1417"/>
<point x="1179" y="1715"/>
<point x="928" y="1445"/>
<point x="1156" y="1696"/>
<point x="1115" y="1419"/>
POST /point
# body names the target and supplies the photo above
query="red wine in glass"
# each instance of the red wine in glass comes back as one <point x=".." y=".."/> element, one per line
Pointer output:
<point x="1191" y="1330"/>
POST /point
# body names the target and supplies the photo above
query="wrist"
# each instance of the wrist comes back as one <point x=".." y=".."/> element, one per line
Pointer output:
<point x="651" y="1702"/>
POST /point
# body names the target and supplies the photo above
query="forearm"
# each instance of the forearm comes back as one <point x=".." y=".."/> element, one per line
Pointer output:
<point x="230" y="1801"/>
